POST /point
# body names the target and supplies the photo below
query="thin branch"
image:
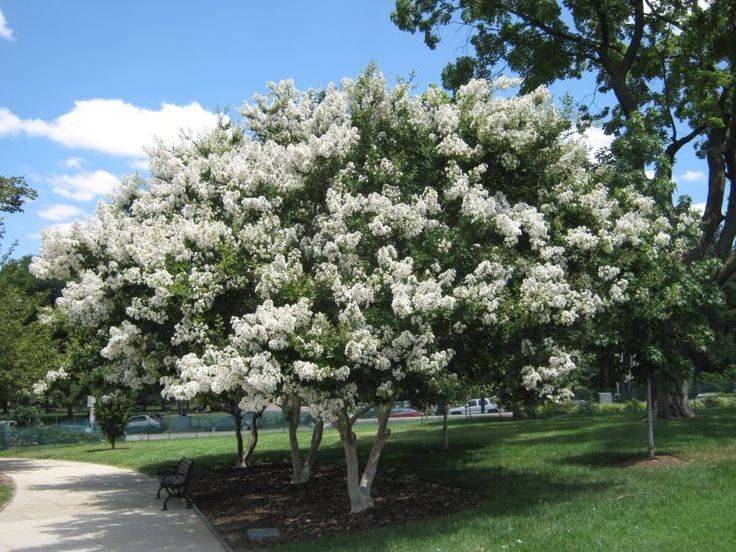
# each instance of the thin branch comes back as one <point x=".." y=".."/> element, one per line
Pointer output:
<point x="675" y="146"/>
<point x="653" y="13"/>
<point x="360" y="412"/>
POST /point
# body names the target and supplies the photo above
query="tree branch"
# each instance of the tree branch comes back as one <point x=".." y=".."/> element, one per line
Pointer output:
<point x="633" y="48"/>
<point x="360" y="412"/>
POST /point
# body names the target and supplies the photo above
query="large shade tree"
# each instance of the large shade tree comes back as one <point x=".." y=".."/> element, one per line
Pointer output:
<point x="669" y="65"/>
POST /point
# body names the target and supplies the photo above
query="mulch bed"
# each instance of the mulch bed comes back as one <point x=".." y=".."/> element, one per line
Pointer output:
<point x="261" y="496"/>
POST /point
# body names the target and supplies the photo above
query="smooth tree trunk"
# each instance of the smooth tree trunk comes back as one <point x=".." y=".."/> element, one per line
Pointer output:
<point x="360" y="484"/>
<point x="238" y="415"/>
<point x="301" y="466"/>
<point x="252" y="438"/>
<point x="445" y="432"/>
<point x="650" y="419"/>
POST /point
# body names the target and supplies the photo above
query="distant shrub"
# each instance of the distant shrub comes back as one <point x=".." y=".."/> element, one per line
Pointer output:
<point x="27" y="416"/>
<point x="549" y="409"/>
<point x="48" y="435"/>
<point x="634" y="406"/>
<point x="714" y="401"/>
<point x="584" y="408"/>
<point x="111" y="413"/>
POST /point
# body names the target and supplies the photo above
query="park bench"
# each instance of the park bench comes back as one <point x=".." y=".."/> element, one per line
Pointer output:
<point x="176" y="482"/>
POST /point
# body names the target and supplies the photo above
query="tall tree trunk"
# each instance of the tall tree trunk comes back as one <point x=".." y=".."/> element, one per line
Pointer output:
<point x="359" y="485"/>
<point x="252" y="436"/>
<point x="238" y="415"/>
<point x="301" y="467"/>
<point x="713" y="213"/>
<point x="69" y="401"/>
<point x="671" y="398"/>
<point x="358" y="501"/>
<point x="6" y="406"/>
<point x="445" y="432"/>
<point x="317" y="433"/>
<point x="650" y="419"/>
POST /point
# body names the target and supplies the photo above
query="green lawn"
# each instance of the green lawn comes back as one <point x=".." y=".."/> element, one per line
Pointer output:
<point x="550" y="484"/>
<point x="6" y="491"/>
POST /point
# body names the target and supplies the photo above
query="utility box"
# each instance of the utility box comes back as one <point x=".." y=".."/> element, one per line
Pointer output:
<point x="605" y="398"/>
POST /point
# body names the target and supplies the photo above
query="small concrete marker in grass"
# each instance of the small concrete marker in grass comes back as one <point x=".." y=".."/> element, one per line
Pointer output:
<point x="260" y="534"/>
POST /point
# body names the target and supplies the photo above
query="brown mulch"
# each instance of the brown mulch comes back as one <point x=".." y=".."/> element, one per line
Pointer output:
<point x="646" y="462"/>
<point x="261" y="496"/>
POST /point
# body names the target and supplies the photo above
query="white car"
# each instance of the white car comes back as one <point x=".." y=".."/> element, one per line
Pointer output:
<point x="143" y="424"/>
<point x="473" y="406"/>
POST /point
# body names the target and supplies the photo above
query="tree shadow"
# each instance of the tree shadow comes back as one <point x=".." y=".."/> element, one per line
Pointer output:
<point x="610" y="458"/>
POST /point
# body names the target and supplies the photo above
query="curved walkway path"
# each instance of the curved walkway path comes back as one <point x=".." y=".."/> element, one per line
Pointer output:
<point x="73" y="506"/>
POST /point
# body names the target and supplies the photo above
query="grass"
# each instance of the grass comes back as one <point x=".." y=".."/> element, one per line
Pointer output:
<point x="554" y="484"/>
<point x="6" y="491"/>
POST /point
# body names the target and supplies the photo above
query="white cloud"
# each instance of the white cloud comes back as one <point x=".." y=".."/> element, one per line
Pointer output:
<point x="113" y="126"/>
<point x="699" y="207"/>
<point x="596" y="140"/>
<point x="56" y="227"/>
<point x="60" y="211"/>
<point x="74" y="163"/>
<point x="5" y="31"/>
<point x="692" y="176"/>
<point x="85" y="185"/>
<point x="650" y="173"/>
<point x="140" y="164"/>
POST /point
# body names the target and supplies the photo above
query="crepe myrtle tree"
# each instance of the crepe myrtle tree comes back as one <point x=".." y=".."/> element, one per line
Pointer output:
<point x="339" y="246"/>
<point x="441" y="220"/>
<point x="163" y="267"/>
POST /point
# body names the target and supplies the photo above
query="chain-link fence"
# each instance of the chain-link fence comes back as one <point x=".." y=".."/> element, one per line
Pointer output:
<point x="142" y="426"/>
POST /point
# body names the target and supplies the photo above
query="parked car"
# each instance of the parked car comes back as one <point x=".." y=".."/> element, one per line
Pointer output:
<point x="144" y="423"/>
<point x="473" y="406"/>
<point x="227" y="423"/>
<point x="396" y="412"/>
<point x="404" y="412"/>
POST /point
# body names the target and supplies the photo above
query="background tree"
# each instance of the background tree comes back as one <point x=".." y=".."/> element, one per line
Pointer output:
<point x="111" y="414"/>
<point x="28" y="347"/>
<point x="668" y="64"/>
<point x="14" y="192"/>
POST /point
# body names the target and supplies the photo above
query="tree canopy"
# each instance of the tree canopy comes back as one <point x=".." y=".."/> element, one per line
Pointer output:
<point x="670" y="66"/>
<point x="347" y="246"/>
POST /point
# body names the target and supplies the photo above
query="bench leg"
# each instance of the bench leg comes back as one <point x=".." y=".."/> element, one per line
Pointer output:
<point x="189" y="502"/>
<point x="165" y="501"/>
<point x="158" y="494"/>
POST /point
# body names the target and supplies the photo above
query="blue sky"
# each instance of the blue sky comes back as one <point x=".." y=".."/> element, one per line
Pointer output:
<point x="88" y="83"/>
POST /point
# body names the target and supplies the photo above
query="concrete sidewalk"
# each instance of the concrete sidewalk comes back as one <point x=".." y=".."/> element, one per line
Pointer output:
<point x="74" y="506"/>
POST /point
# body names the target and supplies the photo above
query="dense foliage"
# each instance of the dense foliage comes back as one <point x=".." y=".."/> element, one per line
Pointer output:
<point x="347" y="246"/>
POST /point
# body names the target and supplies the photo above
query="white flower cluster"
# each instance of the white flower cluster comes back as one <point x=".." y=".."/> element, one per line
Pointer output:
<point x="42" y="386"/>
<point x="548" y="381"/>
<point x="323" y="247"/>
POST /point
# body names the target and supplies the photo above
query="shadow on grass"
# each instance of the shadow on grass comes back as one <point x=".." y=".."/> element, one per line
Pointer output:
<point x="107" y="449"/>
<point x="610" y="458"/>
